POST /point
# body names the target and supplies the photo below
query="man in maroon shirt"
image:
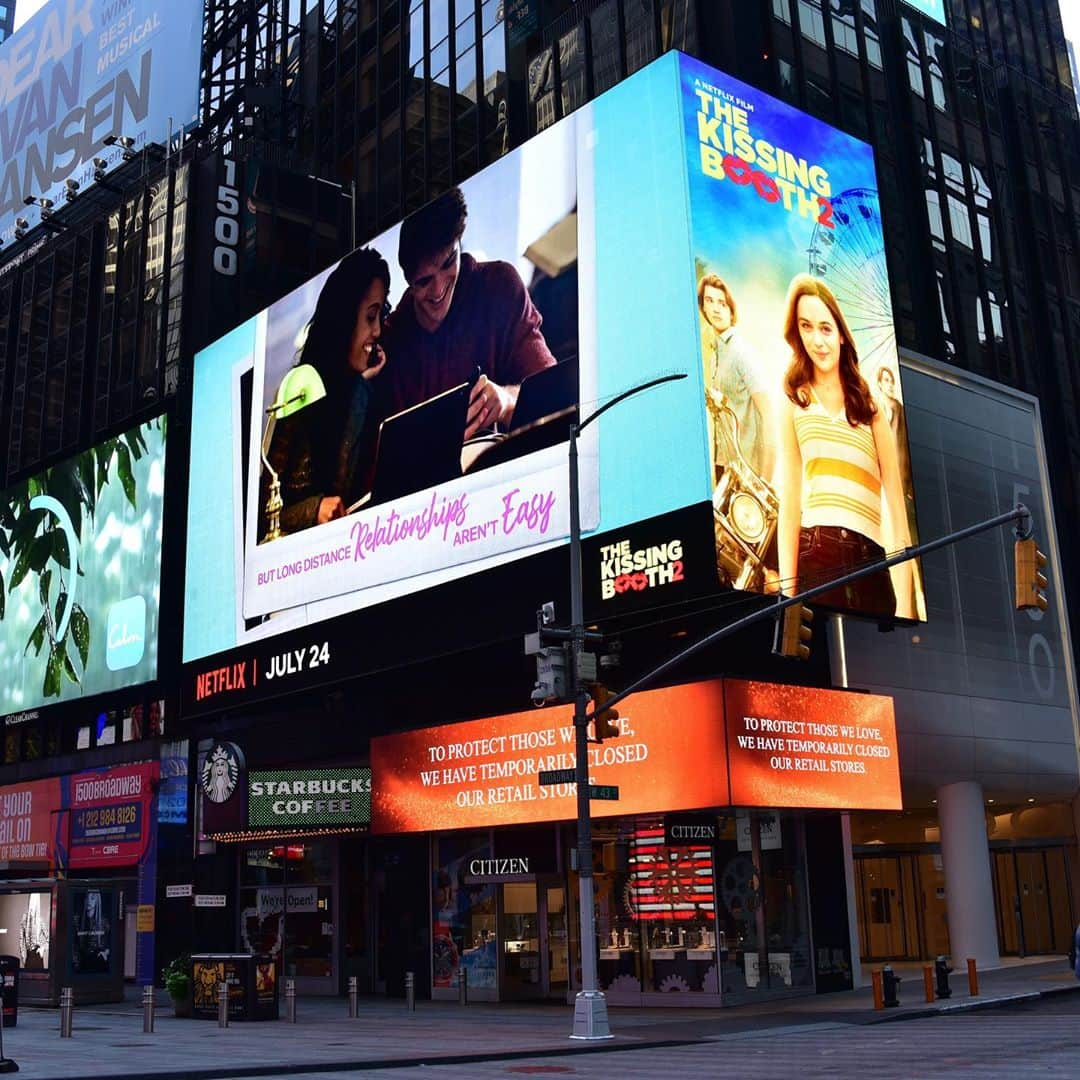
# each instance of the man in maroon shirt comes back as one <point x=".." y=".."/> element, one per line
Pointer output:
<point x="456" y="317"/>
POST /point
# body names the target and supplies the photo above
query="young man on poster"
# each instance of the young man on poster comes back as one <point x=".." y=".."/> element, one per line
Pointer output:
<point x="734" y="373"/>
<point x="458" y="316"/>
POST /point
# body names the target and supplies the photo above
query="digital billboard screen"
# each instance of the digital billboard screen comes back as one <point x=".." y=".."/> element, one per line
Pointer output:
<point x="808" y="442"/>
<point x="750" y="744"/>
<point x="80" y="70"/>
<point x="401" y="420"/>
<point x="80" y="565"/>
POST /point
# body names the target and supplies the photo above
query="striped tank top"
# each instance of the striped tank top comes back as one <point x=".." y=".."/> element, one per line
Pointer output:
<point x="841" y="483"/>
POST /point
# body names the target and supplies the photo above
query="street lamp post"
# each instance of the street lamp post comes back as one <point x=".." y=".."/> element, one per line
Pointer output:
<point x="590" y="1005"/>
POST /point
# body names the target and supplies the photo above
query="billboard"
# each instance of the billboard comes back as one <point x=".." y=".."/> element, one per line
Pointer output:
<point x="80" y="70"/>
<point x="750" y="744"/>
<point x="431" y="443"/>
<point x="80" y="568"/>
<point x="818" y="749"/>
<point x="111" y="815"/>
<point x="486" y="772"/>
<point x="30" y="821"/>
<point x="808" y="445"/>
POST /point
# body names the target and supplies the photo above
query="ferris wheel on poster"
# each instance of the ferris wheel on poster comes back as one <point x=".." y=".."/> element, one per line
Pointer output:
<point x="850" y="259"/>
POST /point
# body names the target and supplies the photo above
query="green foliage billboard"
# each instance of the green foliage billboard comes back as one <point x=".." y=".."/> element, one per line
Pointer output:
<point x="80" y="572"/>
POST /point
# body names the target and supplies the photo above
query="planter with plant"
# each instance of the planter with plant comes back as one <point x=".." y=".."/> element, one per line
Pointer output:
<point x="177" y="979"/>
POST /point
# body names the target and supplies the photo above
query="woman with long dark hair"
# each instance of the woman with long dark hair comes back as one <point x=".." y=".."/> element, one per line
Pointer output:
<point x="838" y="465"/>
<point x="319" y="452"/>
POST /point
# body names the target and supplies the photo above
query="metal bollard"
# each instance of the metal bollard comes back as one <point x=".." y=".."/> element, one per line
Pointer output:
<point x="928" y="982"/>
<point x="410" y="991"/>
<point x="890" y="985"/>
<point x="941" y="972"/>
<point x="222" y="1004"/>
<point x="354" y="1009"/>
<point x="290" y="1000"/>
<point x="67" y="1008"/>
<point x="148" y="1010"/>
<point x="879" y="997"/>
<point x="973" y="978"/>
<point x="463" y="986"/>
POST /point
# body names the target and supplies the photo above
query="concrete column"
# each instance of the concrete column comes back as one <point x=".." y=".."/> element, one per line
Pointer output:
<point x="969" y="889"/>
<point x="852" y="909"/>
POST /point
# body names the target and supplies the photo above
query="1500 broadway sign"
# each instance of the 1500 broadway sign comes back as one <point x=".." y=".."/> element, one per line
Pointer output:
<point x="300" y="797"/>
<point x="80" y="70"/>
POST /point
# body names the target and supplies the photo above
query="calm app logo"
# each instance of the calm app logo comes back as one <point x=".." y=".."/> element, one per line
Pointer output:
<point x="126" y="641"/>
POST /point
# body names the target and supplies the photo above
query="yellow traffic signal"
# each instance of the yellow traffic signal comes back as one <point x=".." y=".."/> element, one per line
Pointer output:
<point x="1030" y="580"/>
<point x="793" y="632"/>
<point x="604" y="726"/>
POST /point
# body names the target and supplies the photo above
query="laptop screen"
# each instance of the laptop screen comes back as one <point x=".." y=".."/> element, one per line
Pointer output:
<point x="421" y="446"/>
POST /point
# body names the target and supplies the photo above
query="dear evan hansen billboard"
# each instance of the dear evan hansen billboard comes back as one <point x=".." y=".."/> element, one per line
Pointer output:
<point x="80" y="70"/>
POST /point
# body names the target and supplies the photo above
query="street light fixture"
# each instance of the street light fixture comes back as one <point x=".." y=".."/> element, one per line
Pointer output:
<point x="126" y="144"/>
<point x="590" y="1005"/>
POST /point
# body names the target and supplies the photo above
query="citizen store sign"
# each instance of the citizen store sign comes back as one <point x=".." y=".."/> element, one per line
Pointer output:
<point x="299" y="798"/>
<point x="690" y="829"/>
<point x="506" y="869"/>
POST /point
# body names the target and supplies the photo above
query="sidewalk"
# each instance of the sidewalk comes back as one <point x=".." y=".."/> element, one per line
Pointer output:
<point x="108" y="1040"/>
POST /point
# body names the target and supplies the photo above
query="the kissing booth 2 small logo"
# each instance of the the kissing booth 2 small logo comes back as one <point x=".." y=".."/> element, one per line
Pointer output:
<point x="125" y="640"/>
<point x="625" y="570"/>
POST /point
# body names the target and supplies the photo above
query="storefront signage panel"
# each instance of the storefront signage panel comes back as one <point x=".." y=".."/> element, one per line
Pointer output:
<point x="486" y="772"/>
<point x="785" y="746"/>
<point x="797" y="747"/>
<point x="29" y="821"/>
<point x="80" y="561"/>
<point x="302" y="797"/>
<point x="110" y="815"/>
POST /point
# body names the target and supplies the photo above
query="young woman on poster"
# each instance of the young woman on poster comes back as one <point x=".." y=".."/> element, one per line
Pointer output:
<point x="321" y="452"/>
<point x="838" y="458"/>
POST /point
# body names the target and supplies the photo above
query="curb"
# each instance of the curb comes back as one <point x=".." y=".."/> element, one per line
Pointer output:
<point x="973" y="1005"/>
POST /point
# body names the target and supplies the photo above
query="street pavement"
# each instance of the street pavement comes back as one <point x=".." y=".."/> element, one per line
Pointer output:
<point x="1024" y="1021"/>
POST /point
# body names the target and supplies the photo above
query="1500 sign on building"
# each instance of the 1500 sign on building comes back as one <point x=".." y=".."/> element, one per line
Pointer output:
<point x="302" y="797"/>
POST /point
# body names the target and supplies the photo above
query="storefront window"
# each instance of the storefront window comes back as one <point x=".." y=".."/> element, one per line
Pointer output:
<point x="723" y="916"/>
<point x="287" y="905"/>
<point x="92" y="926"/>
<point x="463" y="930"/>
<point x="24" y="922"/>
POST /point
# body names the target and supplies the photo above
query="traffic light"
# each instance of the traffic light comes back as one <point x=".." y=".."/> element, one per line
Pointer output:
<point x="552" y="675"/>
<point x="793" y="632"/>
<point x="604" y="726"/>
<point x="1030" y="580"/>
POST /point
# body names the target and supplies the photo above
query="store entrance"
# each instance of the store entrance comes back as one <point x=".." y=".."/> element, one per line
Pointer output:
<point x="1033" y="901"/>
<point x="534" y="940"/>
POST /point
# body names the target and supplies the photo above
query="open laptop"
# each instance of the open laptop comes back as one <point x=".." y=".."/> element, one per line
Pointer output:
<point x="547" y="391"/>
<point x="419" y="447"/>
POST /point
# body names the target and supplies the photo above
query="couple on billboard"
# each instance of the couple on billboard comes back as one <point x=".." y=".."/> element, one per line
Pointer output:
<point x="459" y="321"/>
<point x="812" y="478"/>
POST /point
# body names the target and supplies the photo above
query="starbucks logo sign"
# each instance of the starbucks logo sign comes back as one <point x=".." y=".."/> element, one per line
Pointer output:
<point x="221" y="771"/>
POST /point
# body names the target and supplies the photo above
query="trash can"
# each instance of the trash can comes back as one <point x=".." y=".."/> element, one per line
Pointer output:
<point x="252" y="981"/>
<point x="9" y="989"/>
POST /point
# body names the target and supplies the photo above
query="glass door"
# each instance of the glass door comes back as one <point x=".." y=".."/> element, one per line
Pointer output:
<point x="521" y="934"/>
<point x="557" y="946"/>
<point x="1033" y="901"/>
<point x="888" y="911"/>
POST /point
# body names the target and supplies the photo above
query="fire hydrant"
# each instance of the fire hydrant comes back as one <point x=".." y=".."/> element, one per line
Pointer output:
<point x="941" y="973"/>
<point x="890" y="985"/>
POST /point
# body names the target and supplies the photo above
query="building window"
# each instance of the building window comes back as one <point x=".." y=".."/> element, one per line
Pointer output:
<point x="843" y="26"/>
<point x="812" y="22"/>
